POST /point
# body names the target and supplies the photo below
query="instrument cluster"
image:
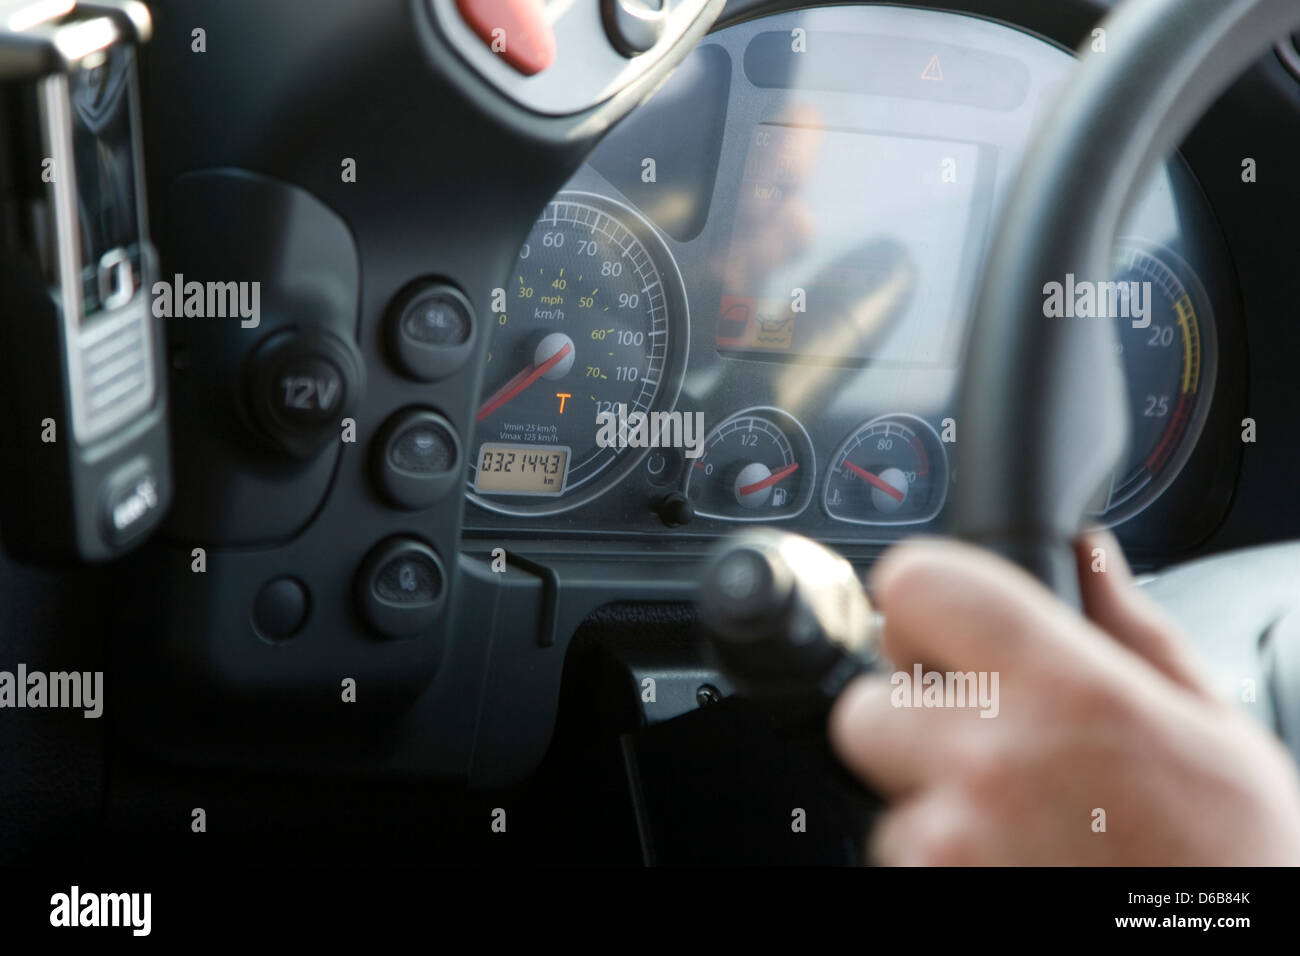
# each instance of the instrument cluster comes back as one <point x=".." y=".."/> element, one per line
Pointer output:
<point x="750" y="304"/>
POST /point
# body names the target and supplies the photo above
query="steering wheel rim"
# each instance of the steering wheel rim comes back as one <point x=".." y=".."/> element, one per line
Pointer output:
<point x="1041" y="400"/>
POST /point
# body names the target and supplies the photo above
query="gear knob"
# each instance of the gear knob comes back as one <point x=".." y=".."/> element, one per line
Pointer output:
<point x="788" y="619"/>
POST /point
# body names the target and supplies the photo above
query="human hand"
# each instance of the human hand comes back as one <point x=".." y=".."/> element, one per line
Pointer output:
<point x="1107" y="714"/>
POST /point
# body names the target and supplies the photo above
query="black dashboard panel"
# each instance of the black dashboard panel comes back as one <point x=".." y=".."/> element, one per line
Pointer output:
<point x="244" y="144"/>
<point x="474" y="694"/>
<point x="824" y="183"/>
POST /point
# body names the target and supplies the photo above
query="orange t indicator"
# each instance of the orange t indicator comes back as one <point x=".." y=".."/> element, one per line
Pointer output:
<point x="563" y="397"/>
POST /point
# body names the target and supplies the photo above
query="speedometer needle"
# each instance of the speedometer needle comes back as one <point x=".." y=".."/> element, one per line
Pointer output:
<point x="769" y="481"/>
<point x="875" y="481"/>
<point x="521" y="381"/>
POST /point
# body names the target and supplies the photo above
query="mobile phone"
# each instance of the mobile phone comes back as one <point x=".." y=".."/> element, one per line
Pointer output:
<point x="84" y="393"/>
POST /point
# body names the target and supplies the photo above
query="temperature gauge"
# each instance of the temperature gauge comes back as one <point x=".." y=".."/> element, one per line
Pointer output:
<point x="892" y="470"/>
<point x="756" y="466"/>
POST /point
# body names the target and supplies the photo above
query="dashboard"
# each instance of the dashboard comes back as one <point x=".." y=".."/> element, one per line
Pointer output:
<point x="519" y="367"/>
<point x="749" y="304"/>
<point x="572" y="370"/>
<point x="524" y="348"/>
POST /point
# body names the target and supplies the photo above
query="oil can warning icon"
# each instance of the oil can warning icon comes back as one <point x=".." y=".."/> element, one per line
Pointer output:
<point x="751" y="323"/>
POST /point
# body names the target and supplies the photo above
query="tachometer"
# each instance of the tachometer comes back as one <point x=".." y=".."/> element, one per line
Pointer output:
<point x="596" y="322"/>
<point x="1169" y="358"/>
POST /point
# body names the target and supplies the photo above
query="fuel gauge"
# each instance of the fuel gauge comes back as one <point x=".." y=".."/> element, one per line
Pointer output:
<point x="891" y="471"/>
<point x="757" y="466"/>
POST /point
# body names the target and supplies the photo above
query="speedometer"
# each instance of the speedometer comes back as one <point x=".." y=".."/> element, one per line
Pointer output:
<point x="595" y="323"/>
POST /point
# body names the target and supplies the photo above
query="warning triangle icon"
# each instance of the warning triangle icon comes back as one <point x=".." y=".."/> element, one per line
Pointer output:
<point x="932" y="69"/>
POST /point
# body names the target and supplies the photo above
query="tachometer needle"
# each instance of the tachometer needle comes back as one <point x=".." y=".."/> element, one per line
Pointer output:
<point x="769" y="481"/>
<point x="521" y="381"/>
<point x="875" y="481"/>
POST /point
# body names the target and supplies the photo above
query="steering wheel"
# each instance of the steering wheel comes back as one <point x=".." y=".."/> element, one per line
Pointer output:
<point x="1024" y="491"/>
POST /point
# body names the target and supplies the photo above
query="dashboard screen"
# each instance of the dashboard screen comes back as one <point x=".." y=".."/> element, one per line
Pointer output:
<point x="104" y="147"/>
<point x="522" y="469"/>
<point x="848" y="246"/>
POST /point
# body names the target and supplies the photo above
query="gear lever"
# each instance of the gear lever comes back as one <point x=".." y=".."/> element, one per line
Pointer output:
<point x="788" y="619"/>
<point x="791" y="625"/>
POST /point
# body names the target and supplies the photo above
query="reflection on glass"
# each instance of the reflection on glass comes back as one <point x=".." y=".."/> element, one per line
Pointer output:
<point x="799" y="274"/>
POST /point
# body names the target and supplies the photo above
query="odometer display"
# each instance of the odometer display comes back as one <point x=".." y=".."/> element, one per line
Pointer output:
<point x="521" y="469"/>
<point x="594" y="308"/>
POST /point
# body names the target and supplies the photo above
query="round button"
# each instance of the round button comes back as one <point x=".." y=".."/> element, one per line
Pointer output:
<point x="436" y="318"/>
<point x="416" y="458"/>
<point x="280" y="609"/>
<point x="422" y="448"/>
<point x="400" y="587"/>
<point x="431" y="330"/>
<point x="409" y="580"/>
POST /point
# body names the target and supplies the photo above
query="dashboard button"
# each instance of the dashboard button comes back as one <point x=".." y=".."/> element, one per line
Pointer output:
<point x="516" y="30"/>
<point x="408" y="581"/>
<point x="436" y="320"/>
<point x="430" y="330"/>
<point x="280" y="609"/>
<point x="417" y="458"/>
<point x="400" y="587"/>
<point x="674" y="509"/>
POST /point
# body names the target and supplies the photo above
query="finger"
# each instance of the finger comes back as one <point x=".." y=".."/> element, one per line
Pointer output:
<point x="933" y="830"/>
<point x="1113" y="602"/>
<point x="894" y="749"/>
<point x="954" y="606"/>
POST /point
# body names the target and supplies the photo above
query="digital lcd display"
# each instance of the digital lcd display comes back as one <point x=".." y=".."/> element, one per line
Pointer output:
<point x="104" y="149"/>
<point x="519" y="469"/>
<point x="850" y="247"/>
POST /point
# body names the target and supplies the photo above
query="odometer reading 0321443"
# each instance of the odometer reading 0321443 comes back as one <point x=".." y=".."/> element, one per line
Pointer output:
<point x="593" y="310"/>
<point x="521" y="469"/>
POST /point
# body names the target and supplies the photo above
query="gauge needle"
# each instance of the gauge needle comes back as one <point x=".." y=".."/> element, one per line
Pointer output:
<point x="770" y="480"/>
<point x="875" y="481"/>
<point x="521" y="381"/>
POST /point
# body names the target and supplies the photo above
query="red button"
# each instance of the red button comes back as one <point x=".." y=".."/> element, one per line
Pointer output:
<point x="515" y="30"/>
